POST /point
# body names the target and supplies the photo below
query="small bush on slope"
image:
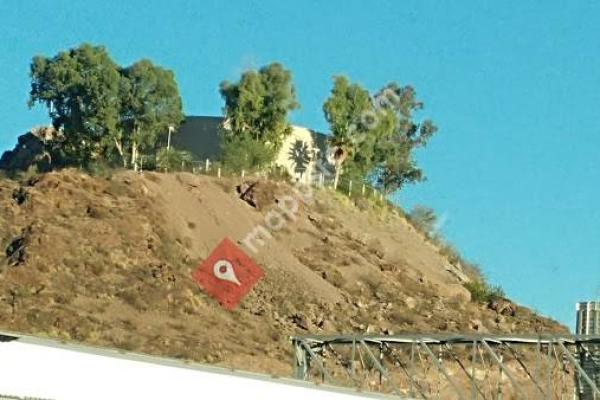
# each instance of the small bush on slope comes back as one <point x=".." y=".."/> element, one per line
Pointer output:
<point x="482" y="292"/>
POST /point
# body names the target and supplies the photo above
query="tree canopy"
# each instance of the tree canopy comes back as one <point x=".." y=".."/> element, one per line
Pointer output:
<point x="150" y="106"/>
<point x="346" y="111"/>
<point x="104" y="112"/>
<point x="373" y="137"/>
<point x="256" y="109"/>
<point x="80" y="87"/>
<point x="101" y="108"/>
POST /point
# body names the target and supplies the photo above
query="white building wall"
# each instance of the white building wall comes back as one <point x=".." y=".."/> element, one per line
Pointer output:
<point x="300" y="155"/>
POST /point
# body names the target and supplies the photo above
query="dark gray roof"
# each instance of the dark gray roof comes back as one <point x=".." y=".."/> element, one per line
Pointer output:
<point x="200" y="136"/>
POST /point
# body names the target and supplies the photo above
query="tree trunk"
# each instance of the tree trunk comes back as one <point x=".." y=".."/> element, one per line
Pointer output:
<point x="134" y="156"/>
<point x="336" y="179"/>
<point x="121" y="153"/>
<point x="339" y="157"/>
<point x="134" y="148"/>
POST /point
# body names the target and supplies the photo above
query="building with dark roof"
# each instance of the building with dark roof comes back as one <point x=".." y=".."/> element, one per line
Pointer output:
<point x="200" y="136"/>
<point x="304" y="153"/>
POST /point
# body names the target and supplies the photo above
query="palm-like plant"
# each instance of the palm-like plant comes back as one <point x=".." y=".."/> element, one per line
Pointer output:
<point x="345" y="110"/>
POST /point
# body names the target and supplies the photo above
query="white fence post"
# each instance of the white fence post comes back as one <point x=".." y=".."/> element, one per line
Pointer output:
<point x="207" y="164"/>
<point x="219" y="172"/>
<point x="350" y="188"/>
<point x="363" y="189"/>
<point x="243" y="174"/>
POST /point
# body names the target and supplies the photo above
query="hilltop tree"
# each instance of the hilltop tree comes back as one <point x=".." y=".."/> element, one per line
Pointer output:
<point x="80" y="87"/>
<point x="373" y="138"/>
<point x="102" y="110"/>
<point x="347" y="110"/>
<point x="256" y="113"/>
<point x="399" y="136"/>
<point x="150" y="106"/>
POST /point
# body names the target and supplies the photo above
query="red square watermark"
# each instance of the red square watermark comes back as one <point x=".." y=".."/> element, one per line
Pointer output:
<point x="228" y="274"/>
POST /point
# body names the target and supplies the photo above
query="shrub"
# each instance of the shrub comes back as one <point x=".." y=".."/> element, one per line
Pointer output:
<point x="244" y="153"/>
<point x="172" y="159"/>
<point x="424" y="219"/>
<point x="482" y="292"/>
<point x="100" y="168"/>
<point x="448" y="251"/>
<point x="472" y="270"/>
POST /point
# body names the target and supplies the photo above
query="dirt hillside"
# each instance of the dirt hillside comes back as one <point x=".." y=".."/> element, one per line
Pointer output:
<point x="108" y="261"/>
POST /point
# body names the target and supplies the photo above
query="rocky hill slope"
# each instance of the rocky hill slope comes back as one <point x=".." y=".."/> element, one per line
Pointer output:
<point x="108" y="261"/>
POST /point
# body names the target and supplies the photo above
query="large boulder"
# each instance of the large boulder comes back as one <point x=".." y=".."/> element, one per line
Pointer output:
<point x="31" y="149"/>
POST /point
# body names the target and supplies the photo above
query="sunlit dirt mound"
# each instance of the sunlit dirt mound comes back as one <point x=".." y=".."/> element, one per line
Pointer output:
<point x="108" y="261"/>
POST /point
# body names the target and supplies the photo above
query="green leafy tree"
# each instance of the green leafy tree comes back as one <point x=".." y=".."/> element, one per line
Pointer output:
<point x="348" y="110"/>
<point x="373" y="138"/>
<point x="102" y="111"/>
<point x="256" y="113"/>
<point x="150" y="106"/>
<point x="399" y="135"/>
<point x="80" y="87"/>
<point x="244" y="153"/>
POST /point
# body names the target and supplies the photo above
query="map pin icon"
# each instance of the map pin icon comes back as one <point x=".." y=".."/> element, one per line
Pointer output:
<point x="223" y="269"/>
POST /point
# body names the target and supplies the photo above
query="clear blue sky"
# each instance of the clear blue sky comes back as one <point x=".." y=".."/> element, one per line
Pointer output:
<point x="513" y="86"/>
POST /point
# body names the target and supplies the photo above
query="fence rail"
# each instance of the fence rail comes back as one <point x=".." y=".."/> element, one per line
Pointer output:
<point x="345" y="186"/>
<point x="455" y="366"/>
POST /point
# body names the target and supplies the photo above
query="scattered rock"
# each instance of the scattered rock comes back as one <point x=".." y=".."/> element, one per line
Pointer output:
<point x="443" y="326"/>
<point x="411" y="302"/>
<point x="503" y="307"/>
<point x="313" y="219"/>
<point x="163" y="273"/>
<point x="322" y="323"/>
<point x="327" y="326"/>
<point x="439" y="306"/>
<point x="300" y="321"/>
<point x="389" y="267"/>
<point x="93" y="212"/>
<point x="376" y="248"/>
<point x="359" y="304"/>
<point x="20" y="196"/>
<point x="247" y="193"/>
<point x="457" y="273"/>
<point x="478" y="326"/>
<point x="16" y="251"/>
